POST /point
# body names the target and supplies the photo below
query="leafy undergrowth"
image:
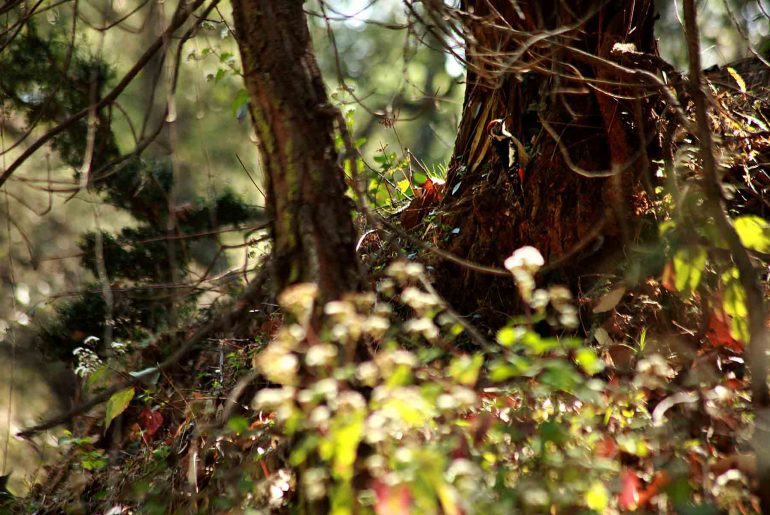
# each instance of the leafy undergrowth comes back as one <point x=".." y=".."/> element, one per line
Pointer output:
<point x="380" y="412"/>
<point x="631" y="397"/>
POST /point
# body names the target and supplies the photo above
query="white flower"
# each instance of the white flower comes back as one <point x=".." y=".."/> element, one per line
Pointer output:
<point x="338" y="308"/>
<point x="423" y="326"/>
<point x="526" y="258"/>
<point x="367" y="372"/>
<point x="271" y="398"/>
<point x="320" y="354"/>
<point x="91" y="340"/>
<point x="418" y="299"/>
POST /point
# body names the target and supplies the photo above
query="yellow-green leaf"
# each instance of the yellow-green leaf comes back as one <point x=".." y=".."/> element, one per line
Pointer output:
<point x="589" y="361"/>
<point x="734" y="74"/>
<point x="465" y="369"/>
<point x="404" y="186"/>
<point x="507" y="336"/>
<point x="116" y="405"/>
<point x="754" y="232"/>
<point x="734" y="303"/>
<point x="689" y="263"/>
<point x="597" y="497"/>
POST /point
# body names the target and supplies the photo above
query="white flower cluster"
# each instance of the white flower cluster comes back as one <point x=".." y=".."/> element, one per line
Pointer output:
<point x="87" y="359"/>
<point x="523" y="264"/>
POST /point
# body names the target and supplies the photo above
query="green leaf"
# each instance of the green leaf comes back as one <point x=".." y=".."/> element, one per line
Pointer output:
<point x="465" y="369"/>
<point x="240" y="100"/>
<point x="515" y="366"/>
<point x="117" y="404"/>
<point x="754" y="232"/>
<point x="536" y="344"/>
<point x="689" y="263"/>
<point x="238" y="424"/>
<point x="99" y="378"/>
<point x="551" y="431"/>
<point x="507" y="336"/>
<point x="561" y="375"/>
<point x="734" y="303"/>
<point x="589" y="361"/>
<point x="667" y="226"/>
<point x="501" y="371"/>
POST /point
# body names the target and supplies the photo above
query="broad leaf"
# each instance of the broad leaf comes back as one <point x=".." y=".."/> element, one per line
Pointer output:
<point x="117" y="404"/>
<point x="689" y="263"/>
<point x="754" y="232"/>
<point x="465" y="369"/>
<point x="735" y="305"/>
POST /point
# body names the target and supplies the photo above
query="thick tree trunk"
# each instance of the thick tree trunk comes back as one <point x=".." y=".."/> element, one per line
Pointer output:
<point x="312" y="229"/>
<point x="549" y="72"/>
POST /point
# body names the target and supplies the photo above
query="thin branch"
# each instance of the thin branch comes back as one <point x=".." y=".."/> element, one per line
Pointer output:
<point x="749" y="278"/>
<point x="176" y="23"/>
<point x="223" y="321"/>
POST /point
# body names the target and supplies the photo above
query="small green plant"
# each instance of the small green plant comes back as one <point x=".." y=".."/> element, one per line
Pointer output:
<point x="88" y="457"/>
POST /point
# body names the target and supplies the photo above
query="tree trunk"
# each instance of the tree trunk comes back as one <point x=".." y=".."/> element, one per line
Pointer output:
<point x="310" y="216"/>
<point x="549" y="72"/>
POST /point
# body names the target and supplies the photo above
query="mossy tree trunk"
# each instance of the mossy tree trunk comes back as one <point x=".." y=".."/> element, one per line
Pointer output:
<point x="551" y="72"/>
<point x="310" y="216"/>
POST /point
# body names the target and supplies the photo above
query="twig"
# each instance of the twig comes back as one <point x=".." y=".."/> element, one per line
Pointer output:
<point x="755" y="305"/>
<point x="222" y="321"/>
<point x="110" y="97"/>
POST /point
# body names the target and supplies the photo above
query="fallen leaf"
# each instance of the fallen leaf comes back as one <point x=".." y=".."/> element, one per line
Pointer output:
<point x="610" y="299"/>
<point x="603" y="337"/>
<point x="718" y="331"/>
<point x="426" y="196"/>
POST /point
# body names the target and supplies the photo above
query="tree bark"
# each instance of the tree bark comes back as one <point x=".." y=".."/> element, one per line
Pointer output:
<point x="310" y="216"/>
<point x="551" y="73"/>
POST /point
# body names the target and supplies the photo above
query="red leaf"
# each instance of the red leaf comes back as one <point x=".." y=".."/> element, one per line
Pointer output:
<point x="659" y="480"/>
<point x="426" y="196"/>
<point x="718" y="331"/>
<point x="391" y="500"/>
<point x="607" y="448"/>
<point x="150" y="421"/>
<point x="628" y="498"/>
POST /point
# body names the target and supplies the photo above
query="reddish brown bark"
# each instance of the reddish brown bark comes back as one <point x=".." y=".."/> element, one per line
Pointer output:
<point x="312" y="230"/>
<point x="548" y="71"/>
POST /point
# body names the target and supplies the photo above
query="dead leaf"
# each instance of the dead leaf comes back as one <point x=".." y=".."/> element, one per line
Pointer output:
<point x="426" y="196"/>
<point x="610" y="299"/>
<point x="603" y="337"/>
<point x="718" y="331"/>
<point x="746" y="463"/>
